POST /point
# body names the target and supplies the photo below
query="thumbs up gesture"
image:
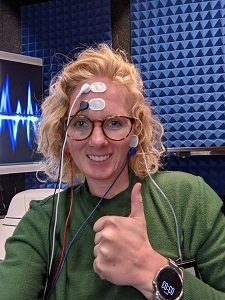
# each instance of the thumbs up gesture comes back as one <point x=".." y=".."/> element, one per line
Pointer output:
<point x="123" y="253"/>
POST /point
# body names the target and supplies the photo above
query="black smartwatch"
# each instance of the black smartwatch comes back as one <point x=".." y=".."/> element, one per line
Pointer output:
<point x="168" y="282"/>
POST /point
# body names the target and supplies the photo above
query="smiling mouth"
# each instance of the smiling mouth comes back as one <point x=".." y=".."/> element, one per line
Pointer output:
<point x="99" y="157"/>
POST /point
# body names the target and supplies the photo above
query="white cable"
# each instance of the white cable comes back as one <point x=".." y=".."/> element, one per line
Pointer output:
<point x="170" y="205"/>
<point x="84" y="89"/>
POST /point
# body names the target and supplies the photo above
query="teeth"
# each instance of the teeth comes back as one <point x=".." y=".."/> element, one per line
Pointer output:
<point x="99" y="158"/>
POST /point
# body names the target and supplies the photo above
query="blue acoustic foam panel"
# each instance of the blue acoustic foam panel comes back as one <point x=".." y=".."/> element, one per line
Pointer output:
<point x="179" y="47"/>
<point x="55" y="31"/>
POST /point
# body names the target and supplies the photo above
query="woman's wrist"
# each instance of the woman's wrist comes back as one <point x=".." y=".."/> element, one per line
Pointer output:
<point x="153" y="267"/>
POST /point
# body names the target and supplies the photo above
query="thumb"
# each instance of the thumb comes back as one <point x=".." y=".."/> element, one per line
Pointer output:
<point x="137" y="208"/>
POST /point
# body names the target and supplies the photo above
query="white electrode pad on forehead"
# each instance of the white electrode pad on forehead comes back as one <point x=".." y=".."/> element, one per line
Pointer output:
<point x="96" y="104"/>
<point x="98" y="87"/>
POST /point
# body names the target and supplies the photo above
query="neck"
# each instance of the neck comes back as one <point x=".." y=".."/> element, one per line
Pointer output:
<point x="118" y="184"/>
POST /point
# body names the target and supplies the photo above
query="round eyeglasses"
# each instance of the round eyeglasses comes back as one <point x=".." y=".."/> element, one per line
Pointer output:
<point x="115" y="128"/>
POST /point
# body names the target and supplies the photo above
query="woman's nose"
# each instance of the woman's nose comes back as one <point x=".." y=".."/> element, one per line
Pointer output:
<point x="97" y="137"/>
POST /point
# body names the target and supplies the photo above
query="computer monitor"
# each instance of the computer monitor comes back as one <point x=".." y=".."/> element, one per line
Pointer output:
<point x="21" y="89"/>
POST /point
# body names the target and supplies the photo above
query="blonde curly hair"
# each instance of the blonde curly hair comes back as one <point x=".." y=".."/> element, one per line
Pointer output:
<point x="114" y="65"/>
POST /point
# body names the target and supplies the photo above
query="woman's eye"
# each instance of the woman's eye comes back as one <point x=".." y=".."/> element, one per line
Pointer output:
<point x="80" y="123"/>
<point x="114" y="123"/>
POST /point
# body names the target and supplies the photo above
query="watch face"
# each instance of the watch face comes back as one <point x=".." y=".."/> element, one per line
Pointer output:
<point x="169" y="284"/>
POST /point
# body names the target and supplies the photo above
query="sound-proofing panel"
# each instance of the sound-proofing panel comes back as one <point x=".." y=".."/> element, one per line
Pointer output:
<point x="55" y="30"/>
<point x="180" y="48"/>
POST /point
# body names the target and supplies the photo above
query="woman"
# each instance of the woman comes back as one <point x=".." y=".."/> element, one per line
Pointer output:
<point x="124" y="232"/>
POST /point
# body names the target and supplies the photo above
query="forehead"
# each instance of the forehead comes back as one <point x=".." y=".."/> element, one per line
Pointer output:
<point x="115" y="97"/>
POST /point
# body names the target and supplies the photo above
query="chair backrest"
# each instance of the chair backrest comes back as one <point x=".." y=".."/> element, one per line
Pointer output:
<point x="19" y="205"/>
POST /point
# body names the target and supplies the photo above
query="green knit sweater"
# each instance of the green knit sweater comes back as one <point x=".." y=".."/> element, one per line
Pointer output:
<point x="201" y="228"/>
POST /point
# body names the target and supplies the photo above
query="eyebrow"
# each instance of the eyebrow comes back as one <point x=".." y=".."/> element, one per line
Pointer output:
<point x="109" y="116"/>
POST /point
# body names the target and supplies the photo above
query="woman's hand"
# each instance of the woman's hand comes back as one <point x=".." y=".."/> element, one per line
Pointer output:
<point x="123" y="253"/>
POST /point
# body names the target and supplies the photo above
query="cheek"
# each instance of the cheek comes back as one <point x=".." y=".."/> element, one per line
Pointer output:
<point x="75" y="153"/>
<point x="124" y="147"/>
<point x="73" y="147"/>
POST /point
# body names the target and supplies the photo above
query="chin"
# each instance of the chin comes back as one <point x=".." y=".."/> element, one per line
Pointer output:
<point x="100" y="174"/>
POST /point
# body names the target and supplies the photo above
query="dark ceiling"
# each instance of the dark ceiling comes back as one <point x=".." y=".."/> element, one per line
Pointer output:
<point x="22" y="2"/>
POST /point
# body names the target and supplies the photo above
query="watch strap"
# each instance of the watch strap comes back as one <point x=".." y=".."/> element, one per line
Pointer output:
<point x="176" y="267"/>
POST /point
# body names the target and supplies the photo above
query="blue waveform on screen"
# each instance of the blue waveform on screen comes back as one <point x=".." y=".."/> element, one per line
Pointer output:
<point x="28" y="117"/>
